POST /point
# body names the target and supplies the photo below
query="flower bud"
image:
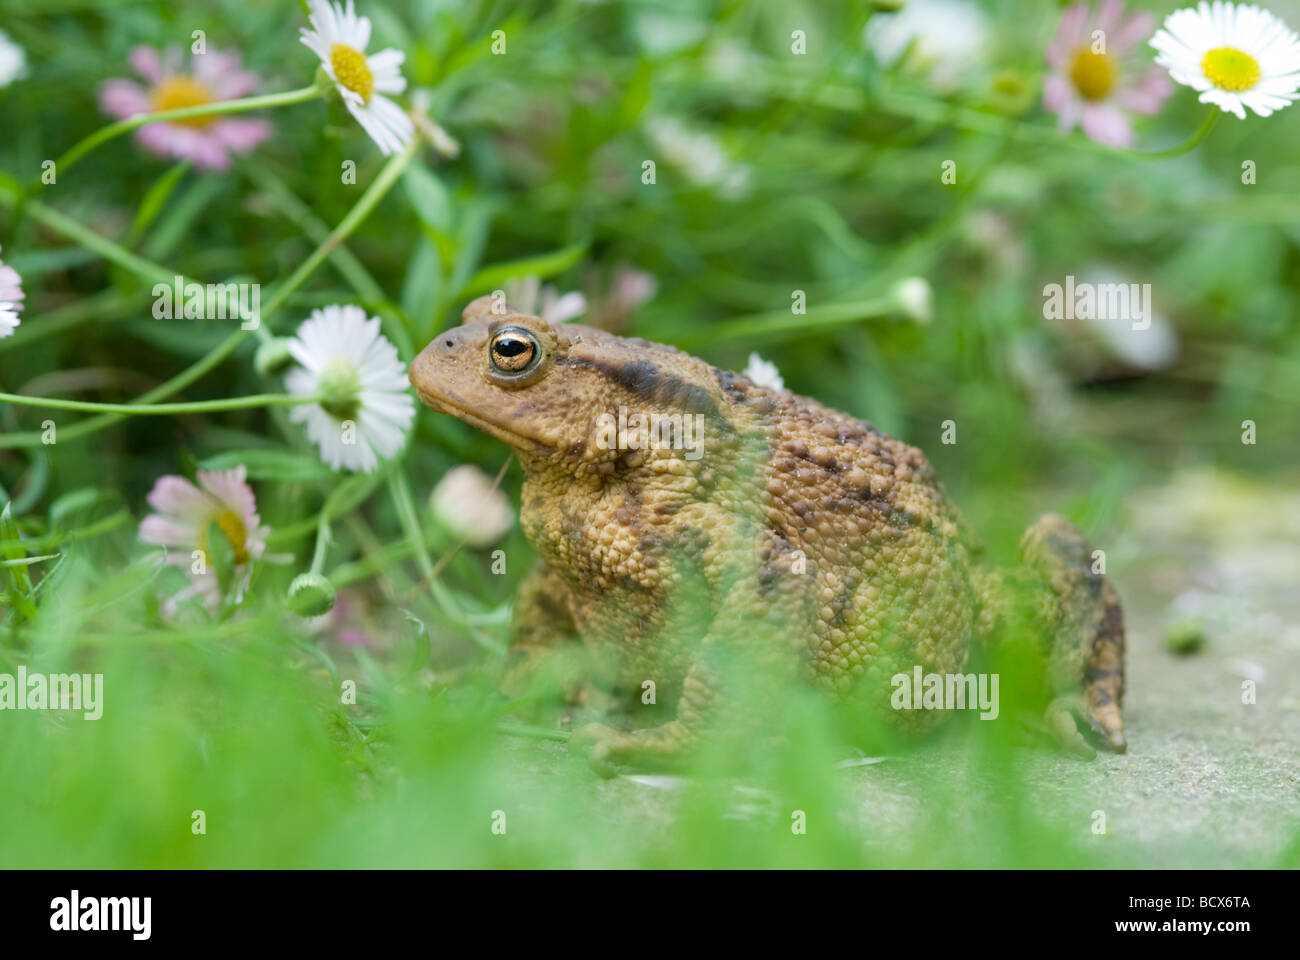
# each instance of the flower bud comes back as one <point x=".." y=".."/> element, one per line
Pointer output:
<point x="915" y="299"/>
<point x="311" y="595"/>
<point x="468" y="507"/>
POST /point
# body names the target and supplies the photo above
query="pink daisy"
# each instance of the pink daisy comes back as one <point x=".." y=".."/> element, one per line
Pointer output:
<point x="188" y="516"/>
<point x="214" y="76"/>
<point x="11" y="298"/>
<point x="1094" y="82"/>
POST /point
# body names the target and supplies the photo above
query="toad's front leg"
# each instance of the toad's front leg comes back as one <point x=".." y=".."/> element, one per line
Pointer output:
<point x="728" y="691"/>
<point x="545" y="652"/>
<point x="663" y="747"/>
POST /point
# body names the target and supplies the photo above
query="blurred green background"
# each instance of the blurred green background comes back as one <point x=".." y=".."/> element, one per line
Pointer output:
<point x="775" y="172"/>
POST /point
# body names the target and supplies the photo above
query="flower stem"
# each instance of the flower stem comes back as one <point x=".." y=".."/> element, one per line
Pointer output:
<point x="146" y="270"/>
<point x="323" y="538"/>
<point x="400" y="489"/>
<point x="940" y="113"/>
<point x="783" y="324"/>
<point x="368" y="201"/>
<point x="161" y="409"/>
<point x="401" y="492"/>
<point x="1186" y="146"/>
<point x="104" y="134"/>
<point x="364" y="205"/>
<point x="104" y="307"/>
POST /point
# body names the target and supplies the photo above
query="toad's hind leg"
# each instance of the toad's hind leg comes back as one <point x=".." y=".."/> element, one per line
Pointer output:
<point x="1076" y="616"/>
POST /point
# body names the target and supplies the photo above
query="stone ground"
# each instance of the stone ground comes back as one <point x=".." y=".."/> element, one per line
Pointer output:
<point x="1208" y="781"/>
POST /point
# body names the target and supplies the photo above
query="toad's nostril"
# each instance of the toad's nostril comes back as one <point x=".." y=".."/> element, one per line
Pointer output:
<point x="449" y="342"/>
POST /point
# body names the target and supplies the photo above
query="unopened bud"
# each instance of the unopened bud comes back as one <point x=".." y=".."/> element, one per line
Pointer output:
<point x="311" y="595"/>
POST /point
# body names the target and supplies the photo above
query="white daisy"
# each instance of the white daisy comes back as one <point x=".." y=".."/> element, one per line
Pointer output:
<point x="365" y="409"/>
<point x="763" y="373"/>
<point x="527" y="295"/>
<point x="1236" y="56"/>
<point x="700" y="156"/>
<point x="13" y="61"/>
<point x="11" y="299"/>
<point x="339" y="38"/>
<point x="940" y="39"/>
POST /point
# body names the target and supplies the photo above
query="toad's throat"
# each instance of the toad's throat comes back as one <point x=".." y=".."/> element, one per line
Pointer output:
<point x="453" y="408"/>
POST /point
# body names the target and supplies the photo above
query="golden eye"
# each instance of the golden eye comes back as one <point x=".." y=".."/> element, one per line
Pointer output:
<point x="514" y="351"/>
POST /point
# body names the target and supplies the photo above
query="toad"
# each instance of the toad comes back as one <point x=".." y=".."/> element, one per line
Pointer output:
<point x="695" y="527"/>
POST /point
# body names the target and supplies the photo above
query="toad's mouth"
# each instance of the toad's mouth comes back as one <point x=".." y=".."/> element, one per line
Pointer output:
<point x="442" y="403"/>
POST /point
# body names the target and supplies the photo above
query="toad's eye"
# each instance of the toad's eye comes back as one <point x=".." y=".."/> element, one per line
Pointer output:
<point x="514" y="350"/>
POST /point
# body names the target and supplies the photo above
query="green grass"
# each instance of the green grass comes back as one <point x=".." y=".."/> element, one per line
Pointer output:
<point x="240" y="716"/>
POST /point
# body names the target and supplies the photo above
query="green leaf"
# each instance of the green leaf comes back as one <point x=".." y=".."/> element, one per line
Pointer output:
<point x="174" y="225"/>
<point x="183" y="337"/>
<point x="278" y="465"/>
<point x="27" y="561"/>
<point x="35" y="263"/>
<point x="471" y="238"/>
<point x="429" y="198"/>
<point x="12" y="550"/>
<point x="220" y="557"/>
<point x="635" y="95"/>
<point x="423" y="284"/>
<point x="11" y="546"/>
<point x="110" y="251"/>
<point x="543" y="265"/>
<point x="77" y="500"/>
<point x="155" y="198"/>
<point x="349" y="494"/>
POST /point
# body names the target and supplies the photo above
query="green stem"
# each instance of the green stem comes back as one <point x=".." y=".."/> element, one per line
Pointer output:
<point x="364" y="205"/>
<point x="368" y="201"/>
<point x="1186" y="146"/>
<point x="104" y="134"/>
<point x="261" y="177"/>
<point x="161" y="409"/>
<point x="401" y="491"/>
<point x="322" y="543"/>
<point x="368" y="566"/>
<point x="146" y="270"/>
<point x="53" y="541"/>
<point x="965" y="118"/>
<point x="345" y="497"/>
<point x="103" y="307"/>
<point x="784" y="323"/>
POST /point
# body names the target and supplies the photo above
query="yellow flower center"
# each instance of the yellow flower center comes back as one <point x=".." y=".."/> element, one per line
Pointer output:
<point x="351" y="71"/>
<point x="1230" y="69"/>
<point x="232" y="528"/>
<point x="179" y="92"/>
<point x="229" y="523"/>
<point x="1093" y="74"/>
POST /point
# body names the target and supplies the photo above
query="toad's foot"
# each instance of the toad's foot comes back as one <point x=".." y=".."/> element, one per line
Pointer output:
<point x="1086" y="626"/>
<point x="662" y="747"/>
<point x="1067" y="716"/>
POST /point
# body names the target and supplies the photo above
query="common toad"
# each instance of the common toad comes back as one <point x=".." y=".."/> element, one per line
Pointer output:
<point x="683" y="513"/>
